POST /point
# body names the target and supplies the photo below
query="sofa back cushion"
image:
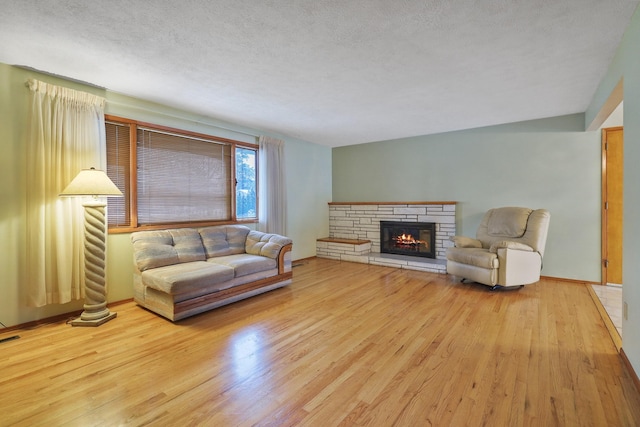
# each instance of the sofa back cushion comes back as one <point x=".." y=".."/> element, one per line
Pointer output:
<point x="158" y="248"/>
<point x="523" y="225"/>
<point x="223" y="240"/>
<point x="188" y="244"/>
<point x="508" y="222"/>
<point x="265" y="244"/>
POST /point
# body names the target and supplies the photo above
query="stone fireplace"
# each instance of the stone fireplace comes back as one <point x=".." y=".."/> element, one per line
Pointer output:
<point x="354" y="232"/>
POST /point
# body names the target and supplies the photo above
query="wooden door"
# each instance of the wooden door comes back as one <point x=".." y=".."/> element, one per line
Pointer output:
<point x="612" y="204"/>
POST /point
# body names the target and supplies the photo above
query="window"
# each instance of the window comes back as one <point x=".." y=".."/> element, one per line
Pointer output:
<point x="246" y="194"/>
<point x="173" y="177"/>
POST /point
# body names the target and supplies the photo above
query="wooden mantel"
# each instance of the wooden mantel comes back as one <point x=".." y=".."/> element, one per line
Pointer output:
<point x="391" y="203"/>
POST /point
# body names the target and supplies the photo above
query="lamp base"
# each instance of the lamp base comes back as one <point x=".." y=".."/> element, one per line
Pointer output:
<point x="93" y="322"/>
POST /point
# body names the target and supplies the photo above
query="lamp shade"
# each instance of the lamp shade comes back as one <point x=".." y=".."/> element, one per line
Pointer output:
<point x="91" y="182"/>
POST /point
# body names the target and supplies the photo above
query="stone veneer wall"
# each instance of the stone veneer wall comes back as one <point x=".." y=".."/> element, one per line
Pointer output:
<point x="362" y="220"/>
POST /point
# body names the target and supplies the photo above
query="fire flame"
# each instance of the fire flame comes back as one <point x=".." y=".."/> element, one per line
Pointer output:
<point x="407" y="239"/>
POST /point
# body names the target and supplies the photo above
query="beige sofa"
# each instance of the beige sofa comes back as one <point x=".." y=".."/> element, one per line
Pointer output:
<point x="182" y="272"/>
<point x="507" y="250"/>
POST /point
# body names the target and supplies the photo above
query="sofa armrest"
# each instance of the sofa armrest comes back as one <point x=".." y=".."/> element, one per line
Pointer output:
<point x="266" y="244"/>
<point x="508" y="244"/>
<point x="284" y="265"/>
<point x="517" y="266"/>
<point x="465" y="242"/>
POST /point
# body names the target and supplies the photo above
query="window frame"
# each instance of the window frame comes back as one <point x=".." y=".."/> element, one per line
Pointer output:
<point x="133" y="177"/>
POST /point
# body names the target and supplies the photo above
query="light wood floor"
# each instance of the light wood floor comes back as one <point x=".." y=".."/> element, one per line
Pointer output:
<point x="346" y="344"/>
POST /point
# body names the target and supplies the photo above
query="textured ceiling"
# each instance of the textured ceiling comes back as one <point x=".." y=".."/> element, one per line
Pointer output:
<point x="326" y="71"/>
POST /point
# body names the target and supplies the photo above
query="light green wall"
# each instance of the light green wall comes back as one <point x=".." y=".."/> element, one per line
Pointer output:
<point x="308" y="189"/>
<point x="626" y="65"/>
<point x="550" y="163"/>
<point x="13" y="124"/>
<point x="308" y="194"/>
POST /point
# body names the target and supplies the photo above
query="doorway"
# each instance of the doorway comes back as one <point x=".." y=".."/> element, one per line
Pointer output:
<point x="610" y="295"/>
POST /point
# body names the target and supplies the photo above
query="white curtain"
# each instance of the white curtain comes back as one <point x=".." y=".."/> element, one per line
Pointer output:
<point x="66" y="134"/>
<point x="272" y="202"/>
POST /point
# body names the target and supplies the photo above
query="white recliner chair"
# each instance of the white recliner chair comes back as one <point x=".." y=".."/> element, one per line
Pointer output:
<point x="507" y="250"/>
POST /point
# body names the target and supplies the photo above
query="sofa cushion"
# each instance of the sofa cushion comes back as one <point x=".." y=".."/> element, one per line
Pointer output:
<point x="245" y="264"/>
<point x="178" y="278"/>
<point x="265" y="244"/>
<point x="508" y="222"/>
<point x="507" y="244"/>
<point x="160" y="248"/>
<point x="152" y="249"/>
<point x="237" y="236"/>
<point x="473" y="256"/>
<point x="188" y="244"/>
<point x="465" y="242"/>
<point x="224" y="240"/>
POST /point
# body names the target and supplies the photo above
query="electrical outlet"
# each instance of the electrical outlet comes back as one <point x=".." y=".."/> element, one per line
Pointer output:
<point x="625" y="311"/>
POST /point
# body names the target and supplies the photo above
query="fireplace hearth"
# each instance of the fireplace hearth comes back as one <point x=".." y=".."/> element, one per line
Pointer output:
<point x="408" y="238"/>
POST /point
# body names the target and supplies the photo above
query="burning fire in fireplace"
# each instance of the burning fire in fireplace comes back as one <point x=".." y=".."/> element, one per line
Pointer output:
<point x="407" y="240"/>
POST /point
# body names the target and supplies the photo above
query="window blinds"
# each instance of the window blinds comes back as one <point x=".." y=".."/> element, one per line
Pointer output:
<point x="182" y="179"/>
<point x="118" y="163"/>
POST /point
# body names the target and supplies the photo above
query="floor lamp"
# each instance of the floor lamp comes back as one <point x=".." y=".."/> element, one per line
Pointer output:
<point x="94" y="183"/>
